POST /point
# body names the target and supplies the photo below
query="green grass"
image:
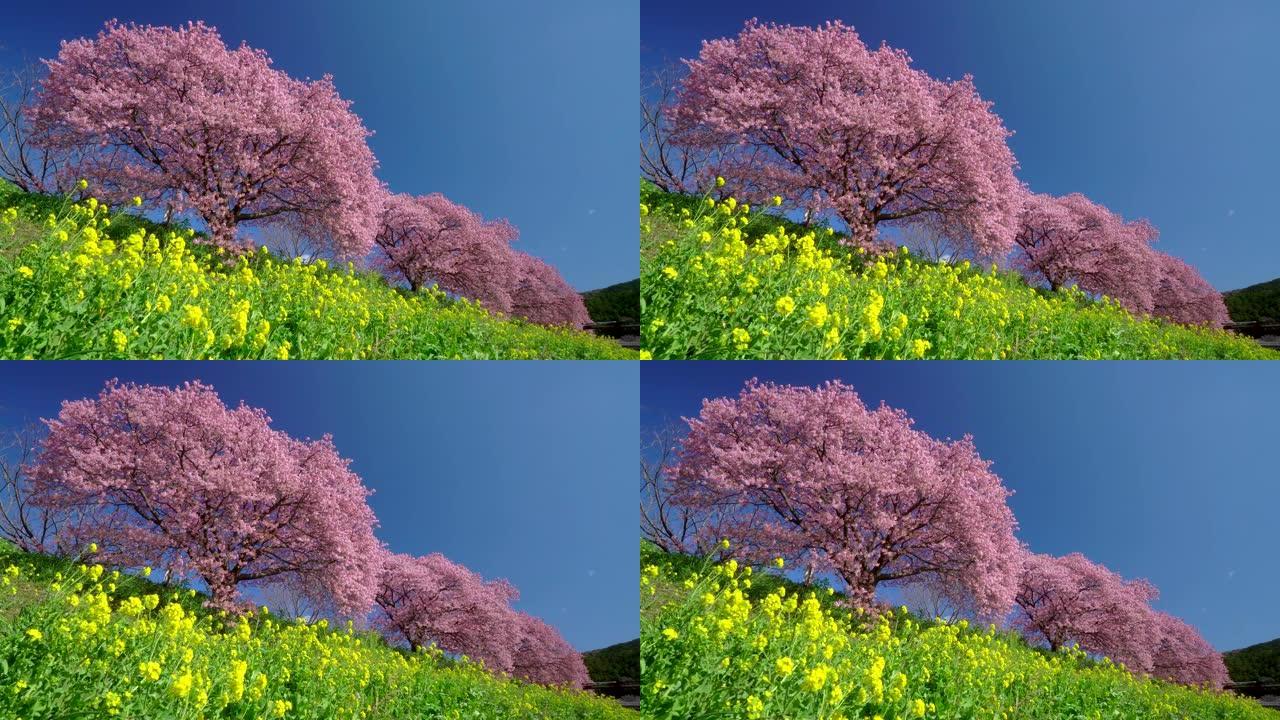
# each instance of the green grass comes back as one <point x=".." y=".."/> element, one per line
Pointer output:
<point x="80" y="642"/>
<point x="720" y="641"/>
<point x="719" y="281"/>
<point x="79" y="282"/>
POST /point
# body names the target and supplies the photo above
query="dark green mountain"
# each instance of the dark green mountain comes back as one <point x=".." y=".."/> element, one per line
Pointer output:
<point x="616" y="662"/>
<point x="1256" y="302"/>
<point x="616" y="302"/>
<point x="1255" y="662"/>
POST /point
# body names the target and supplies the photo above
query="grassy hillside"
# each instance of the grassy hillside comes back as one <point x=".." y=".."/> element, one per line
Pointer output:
<point x="721" y="280"/>
<point x="616" y="662"/>
<point x="1256" y="662"/>
<point x="78" y="641"/>
<point x="79" y="281"/>
<point x="726" y="641"/>
<point x="1256" y="302"/>
<point x="616" y="302"/>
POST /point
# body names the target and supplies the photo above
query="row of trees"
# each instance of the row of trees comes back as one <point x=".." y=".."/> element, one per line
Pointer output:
<point x="175" y="117"/>
<point x="172" y="478"/>
<point x="814" y="476"/>
<point x="813" y="115"/>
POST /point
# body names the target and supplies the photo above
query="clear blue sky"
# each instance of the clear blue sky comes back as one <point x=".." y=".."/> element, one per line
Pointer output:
<point x="515" y="469"/>
<point x="513" y="109"/>
<point x="1158" y="470"/>
<point x="1159" y="110"/>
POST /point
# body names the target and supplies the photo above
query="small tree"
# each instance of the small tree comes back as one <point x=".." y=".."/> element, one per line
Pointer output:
<point x="424" y="600"/>
<point x="1070" y="600"/>
<point x="176" y="117"/>
<point x="23" y="161"/>
<point x="29" y="527"/>
<point x="429" y="239"/>
<point x="172" y="477"/>
<point x="542" y="656"/>
<point x="813" y="475"/>
<point x="1182" y="655"/>
<point x="539" y="294"/>
<point x="662" y="523"/>
<point x="1070" y="239"/>
<point x="813" y="115"/>
<point x="671" y="166"/>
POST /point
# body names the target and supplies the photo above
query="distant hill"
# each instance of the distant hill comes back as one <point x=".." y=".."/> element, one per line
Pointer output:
<point x="616" y="302"/>
<point x="1255" y="302"/>
<point x="1254" y="662"/>
<point x="621" y="661"/>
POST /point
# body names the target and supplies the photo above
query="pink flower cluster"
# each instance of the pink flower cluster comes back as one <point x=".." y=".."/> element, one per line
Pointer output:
<point x="429" y="239"/>
<point x="814" y="476"/>
<point x="172" y="478"/>
<point x="176" y="118"/>
<point x="425" y="600"/>
<point x="815" y="116"/>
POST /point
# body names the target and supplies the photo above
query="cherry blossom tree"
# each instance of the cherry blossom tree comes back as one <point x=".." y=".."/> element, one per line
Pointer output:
<point x="542" y="656"/>
<point x="813" y="115"/>
<point x="539" y="294"/>
<point x="1183" y="296"/>
<point x="184" y="122"/>
<point x="813" y="475"/>
<point x="172" y="477"/>
<point x="432" y="239"/>
<point x="1182" y="655"/>
<point x="1071" y="239"/>
<point x="1070" y="600"/>
<point x="424" y="600"/>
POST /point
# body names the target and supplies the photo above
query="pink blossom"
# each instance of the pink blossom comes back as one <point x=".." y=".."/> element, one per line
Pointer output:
<point x="172" y="477"/>
<point x="186" y="123"/>
<point x="1070" y="600"/>
<point x="424" y="600"/>
<point x="813" y="115"/>
<point x="1183" y="296"/>
<point x="544" y="657"/>
<point x="1182" y="655"/>
<point x="431" y="239"/>
<point x="539" y="294"/>
<point x="813" y="475"/>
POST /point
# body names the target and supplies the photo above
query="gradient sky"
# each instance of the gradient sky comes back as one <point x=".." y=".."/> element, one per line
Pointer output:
<point x="515" y="110"/>
<point x="515" y="469"/>
<point x="1159" y="470"/>
<point x="1157" y="110"/>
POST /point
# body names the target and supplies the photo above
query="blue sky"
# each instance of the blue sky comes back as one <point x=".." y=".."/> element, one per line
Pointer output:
<point x="1158" y="110"/>
<point x="515" y="469"/>
<point x="1157" y="470"/>
<point x="515" y="110"/>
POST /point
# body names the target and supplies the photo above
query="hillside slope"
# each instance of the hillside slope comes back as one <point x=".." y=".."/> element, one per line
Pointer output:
<point x="719" y="640"/>
<point x="1254" y="663"/>
<point x="1256" y="302"/>
<point x="620" y="301"/>
<point x="79" y="641"/>
<point x="79" y="281"/>
<point x="616" y="662"/>
<point x="720" y="280"/>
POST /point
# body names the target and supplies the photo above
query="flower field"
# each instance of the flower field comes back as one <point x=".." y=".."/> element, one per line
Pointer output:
<point x="77" y="281"/>
<point x="81" y="641"/>
<point x="723" y="641"/>
<point x="723" y="280"/>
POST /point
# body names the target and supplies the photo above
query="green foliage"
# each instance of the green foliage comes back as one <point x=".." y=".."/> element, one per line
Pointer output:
<point x="80" y="641"/>
<point x="723" y="281"/>
<point x="616" y="662"/>
<point x="77" y="281"/>
<point x="720" y="640"/>
<point x="616" y="302"/>
<point x="1256" y="302"/>
<point x="1256" y="662"/>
